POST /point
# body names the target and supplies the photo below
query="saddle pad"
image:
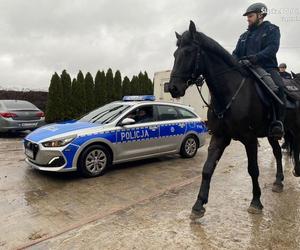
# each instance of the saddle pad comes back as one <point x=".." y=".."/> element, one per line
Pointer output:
<point x="292" y="88"/>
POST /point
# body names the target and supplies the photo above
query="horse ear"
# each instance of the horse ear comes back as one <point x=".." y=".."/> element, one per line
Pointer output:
<point x="177" y="35"/>
<point x="192" y="27"/>
<point x="293" y="74"/>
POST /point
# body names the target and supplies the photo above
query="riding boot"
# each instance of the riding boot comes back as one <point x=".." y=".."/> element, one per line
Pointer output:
<point x="277" y="128"/>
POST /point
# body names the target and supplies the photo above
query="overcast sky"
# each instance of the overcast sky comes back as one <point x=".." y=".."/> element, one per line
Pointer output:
<point x="39" y="37"/>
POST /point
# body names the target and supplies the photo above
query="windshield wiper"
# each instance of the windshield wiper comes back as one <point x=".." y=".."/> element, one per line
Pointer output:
<point x="98" y="116"/>
<point x="109" y="119"/>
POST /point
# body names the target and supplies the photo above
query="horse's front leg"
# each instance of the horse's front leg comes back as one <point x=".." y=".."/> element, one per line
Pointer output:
<point x="277" y="185"/>
<point x="215" y="151"/>
<point x="251" y="149"/>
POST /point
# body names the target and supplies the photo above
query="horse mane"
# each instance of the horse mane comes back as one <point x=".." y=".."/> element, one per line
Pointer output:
<point x="210" y="44"/>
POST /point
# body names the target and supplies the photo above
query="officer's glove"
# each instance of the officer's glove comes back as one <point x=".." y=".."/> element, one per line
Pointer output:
<point x="245" y="62"/>
<point x="252" y="59"/>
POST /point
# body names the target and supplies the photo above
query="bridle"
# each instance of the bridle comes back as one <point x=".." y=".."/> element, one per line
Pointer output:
<point x="197" y="79"/>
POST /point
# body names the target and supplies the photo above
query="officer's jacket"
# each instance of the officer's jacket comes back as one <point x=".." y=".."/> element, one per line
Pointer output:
<point x="285" y="75"/>
<point x="263" y="42"/>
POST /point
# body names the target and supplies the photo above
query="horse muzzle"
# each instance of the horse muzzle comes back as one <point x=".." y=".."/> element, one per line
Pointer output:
<point x="175" y="91"/>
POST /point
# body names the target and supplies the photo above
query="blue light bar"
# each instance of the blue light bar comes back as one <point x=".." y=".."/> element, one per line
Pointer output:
<point x="139" y="98"/>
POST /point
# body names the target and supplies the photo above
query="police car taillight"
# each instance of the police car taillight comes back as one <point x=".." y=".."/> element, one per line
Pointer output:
<point x="139" y="98"/>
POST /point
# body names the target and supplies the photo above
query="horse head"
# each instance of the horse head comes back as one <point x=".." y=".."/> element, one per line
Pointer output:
<point x="188" y="65"/>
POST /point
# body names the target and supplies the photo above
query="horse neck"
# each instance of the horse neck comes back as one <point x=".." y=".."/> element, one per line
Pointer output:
<point x="222" y="86"/>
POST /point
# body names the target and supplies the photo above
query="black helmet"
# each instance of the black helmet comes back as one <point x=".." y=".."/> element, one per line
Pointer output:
<point x="259" y="8"/>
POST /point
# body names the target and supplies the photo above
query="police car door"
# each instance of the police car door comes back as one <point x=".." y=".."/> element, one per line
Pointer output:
<point x="172" y="129"/>
<point x="138" y="140"/>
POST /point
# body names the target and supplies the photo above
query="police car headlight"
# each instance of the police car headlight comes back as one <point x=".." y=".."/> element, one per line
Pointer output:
<point x="58" y="143"/>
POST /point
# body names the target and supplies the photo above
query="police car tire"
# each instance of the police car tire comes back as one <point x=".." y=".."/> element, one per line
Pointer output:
<point x="81" y="167"/>
<point x="183" y="151"/>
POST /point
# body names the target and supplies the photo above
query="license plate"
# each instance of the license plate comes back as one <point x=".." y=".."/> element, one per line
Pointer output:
<point x="28" y="124"/>
<point x="29" y="153"/>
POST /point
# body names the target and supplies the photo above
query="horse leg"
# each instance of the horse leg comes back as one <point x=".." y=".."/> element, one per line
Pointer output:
<point x="215" y="150"/>
<point x="277" y="185"/>
<point x="251" y="149"/>
<point x="296" y="170"/>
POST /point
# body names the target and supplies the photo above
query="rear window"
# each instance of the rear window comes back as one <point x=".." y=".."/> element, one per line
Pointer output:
<point x="186" y="114"/>
<point x="167" y="113"/>
<point x="12" y="104"/>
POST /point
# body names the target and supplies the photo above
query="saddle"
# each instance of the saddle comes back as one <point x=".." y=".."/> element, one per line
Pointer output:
<point x="265" y="86"/>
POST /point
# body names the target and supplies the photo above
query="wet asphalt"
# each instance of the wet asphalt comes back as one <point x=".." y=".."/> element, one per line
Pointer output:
<point x="146" y="204"/>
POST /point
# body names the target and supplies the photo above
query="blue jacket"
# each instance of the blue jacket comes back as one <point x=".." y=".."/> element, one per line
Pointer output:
<point x="262" y="42"/>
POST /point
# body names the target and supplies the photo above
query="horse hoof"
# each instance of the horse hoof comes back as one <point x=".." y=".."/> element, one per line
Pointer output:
<point x="277" y="188"/>
<point x="295" y="174"/>
<point x="197" y="214"/>
<point x="254" y="210"/>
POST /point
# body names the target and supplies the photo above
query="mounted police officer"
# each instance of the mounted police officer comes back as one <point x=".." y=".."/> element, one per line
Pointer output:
<point x="282" y="71"/>
<point x="259" y="45"/>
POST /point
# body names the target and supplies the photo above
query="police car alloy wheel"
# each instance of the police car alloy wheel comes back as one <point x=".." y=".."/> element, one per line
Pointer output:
<point x="189" y="147"/>
<point x="94" y="161"/>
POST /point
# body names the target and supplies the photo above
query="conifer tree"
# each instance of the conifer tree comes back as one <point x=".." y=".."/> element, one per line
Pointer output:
<point x="54" y="108"/>
<point x="118" y="86"/>
<point x="78" y="95"/>
<point x="66" y="95"/>
<point x="89" y="92"/>
<point x="109" y="85"/>
<point x="126" y="86"/>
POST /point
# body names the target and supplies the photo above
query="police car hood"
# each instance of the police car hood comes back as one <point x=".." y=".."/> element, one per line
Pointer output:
<point x="60" y="130"/>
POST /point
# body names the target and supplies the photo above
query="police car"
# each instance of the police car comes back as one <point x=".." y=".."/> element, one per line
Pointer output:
<point x="136" y="128"/>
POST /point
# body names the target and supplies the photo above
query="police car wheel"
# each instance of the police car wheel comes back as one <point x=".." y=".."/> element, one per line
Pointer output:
<point x="189" y="147"/>
<point x="94" y="161"/>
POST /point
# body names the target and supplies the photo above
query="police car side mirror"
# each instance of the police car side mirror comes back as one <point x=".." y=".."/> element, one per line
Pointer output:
<point x="127" y="121"/>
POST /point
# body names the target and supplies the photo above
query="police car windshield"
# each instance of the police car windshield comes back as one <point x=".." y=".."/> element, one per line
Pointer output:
<point x="106" y="113"/>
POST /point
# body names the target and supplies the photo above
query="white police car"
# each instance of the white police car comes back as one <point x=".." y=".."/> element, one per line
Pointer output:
<point x="132" y="129"/>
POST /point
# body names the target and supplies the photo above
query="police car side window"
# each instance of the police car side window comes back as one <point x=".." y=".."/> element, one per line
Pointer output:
<point x="166" y="113"/>
<point x="142" y="114"/>
<point x="186" y="114"/>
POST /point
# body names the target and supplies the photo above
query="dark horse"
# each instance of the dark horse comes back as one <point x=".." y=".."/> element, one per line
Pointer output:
<point x="236" y="110"/>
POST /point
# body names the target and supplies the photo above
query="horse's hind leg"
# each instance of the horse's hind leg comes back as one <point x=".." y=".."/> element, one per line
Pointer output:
<point x="251" y="148"/>
<point x="277" y="185"/>
<point x="215" y="151"/>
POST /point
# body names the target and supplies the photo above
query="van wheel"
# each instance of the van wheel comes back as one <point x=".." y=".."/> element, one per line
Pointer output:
<point x="189" y="147"/>
<point x="94" y="161"/>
